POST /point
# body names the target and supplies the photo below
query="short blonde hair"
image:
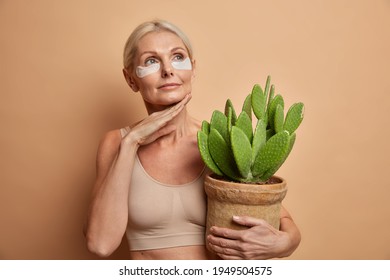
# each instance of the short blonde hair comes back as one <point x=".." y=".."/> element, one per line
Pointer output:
<point x="130" y="48"/>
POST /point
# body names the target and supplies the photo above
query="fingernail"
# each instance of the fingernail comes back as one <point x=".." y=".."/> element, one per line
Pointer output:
<point x="236" y="218"/>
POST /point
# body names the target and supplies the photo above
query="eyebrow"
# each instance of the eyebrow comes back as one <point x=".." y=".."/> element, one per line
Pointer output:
<point x="172" y="50"/>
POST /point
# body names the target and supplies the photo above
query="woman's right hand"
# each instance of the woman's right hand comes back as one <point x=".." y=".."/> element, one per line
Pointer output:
<point x="155" y="125"/>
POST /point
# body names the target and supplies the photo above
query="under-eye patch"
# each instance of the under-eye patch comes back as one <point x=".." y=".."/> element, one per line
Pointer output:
<point x="143" y="71"/>
<point x="182" y="65"/>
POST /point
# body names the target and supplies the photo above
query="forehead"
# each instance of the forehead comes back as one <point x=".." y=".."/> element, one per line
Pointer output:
<point x="161" y="41"/>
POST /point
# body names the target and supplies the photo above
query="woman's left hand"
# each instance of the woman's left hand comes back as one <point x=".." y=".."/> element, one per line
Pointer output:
<point x="259" y="241"/>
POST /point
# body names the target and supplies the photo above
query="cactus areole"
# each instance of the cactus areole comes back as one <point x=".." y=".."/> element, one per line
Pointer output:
<point x="240" y="149"/>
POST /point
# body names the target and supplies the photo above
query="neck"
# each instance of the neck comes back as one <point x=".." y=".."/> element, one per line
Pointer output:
<point x="185" y="125"/>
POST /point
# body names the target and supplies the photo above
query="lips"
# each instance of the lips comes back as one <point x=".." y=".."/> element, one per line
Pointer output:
<point x="169" y="86"/>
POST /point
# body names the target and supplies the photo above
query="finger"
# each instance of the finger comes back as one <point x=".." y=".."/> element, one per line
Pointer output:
<point x="168" y="114"/>
<point x="225" y="232"/>
<point x="155" y="125"/>
<point x="248" y="221"/>
<point x="221" y="242"/>
<point x="186" y="99"/>
<point x="179" y="106"/>
<point x="161" y="132"/>
<point x="157" y="134"/>
<point x="225" y="252"/>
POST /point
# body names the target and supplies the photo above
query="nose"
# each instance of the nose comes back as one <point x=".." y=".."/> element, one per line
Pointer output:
<point x="166" y="70"/>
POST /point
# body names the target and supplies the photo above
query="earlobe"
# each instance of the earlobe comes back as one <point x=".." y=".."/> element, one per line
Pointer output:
<point x="130" y="80"/>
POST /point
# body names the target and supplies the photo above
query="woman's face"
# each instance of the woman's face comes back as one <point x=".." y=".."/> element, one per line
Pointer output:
<point x="163" y="78"/>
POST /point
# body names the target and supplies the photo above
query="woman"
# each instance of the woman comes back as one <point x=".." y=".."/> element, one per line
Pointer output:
<point x="149" y="183"/>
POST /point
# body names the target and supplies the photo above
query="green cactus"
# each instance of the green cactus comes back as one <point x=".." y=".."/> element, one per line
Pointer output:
<point x="231" y="149"/>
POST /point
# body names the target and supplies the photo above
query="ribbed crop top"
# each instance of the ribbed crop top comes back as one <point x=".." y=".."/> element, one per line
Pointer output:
<point x="163" y="215"/>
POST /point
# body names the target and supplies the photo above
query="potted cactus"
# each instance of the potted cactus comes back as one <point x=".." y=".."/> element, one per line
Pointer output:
<point x="244" y="154"/>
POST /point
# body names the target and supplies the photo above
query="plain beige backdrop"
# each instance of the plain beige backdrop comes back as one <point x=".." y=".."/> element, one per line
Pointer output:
<point x="62" y="88"/>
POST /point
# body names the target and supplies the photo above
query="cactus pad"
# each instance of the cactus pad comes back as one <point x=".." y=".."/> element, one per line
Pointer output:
<point x="294" y="117"/>
<point x="205" y="153"/>
<point x="242" y="151"/>
<point x="219" y="122"/>
<point x="222" y="154"/>
<point x="245" y="124"/>
<point x="272" y="153"/>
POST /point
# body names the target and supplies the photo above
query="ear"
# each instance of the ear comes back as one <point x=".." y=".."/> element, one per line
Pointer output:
<point x="130" y="80"/>
<point x="193" y="68"/>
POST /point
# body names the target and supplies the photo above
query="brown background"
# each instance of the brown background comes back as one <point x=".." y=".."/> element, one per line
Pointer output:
<point x="61" y="88"/>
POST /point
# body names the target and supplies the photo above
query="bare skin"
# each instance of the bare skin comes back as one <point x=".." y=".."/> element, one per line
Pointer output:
<point x="176" y="253"/>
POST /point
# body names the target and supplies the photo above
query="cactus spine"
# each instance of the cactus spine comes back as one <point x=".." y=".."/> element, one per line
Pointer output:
<point x="231" y="148"/>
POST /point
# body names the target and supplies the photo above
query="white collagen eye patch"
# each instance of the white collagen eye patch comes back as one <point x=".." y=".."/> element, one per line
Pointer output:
<point x="143" y="71"/>
<point x="182" y="65"/>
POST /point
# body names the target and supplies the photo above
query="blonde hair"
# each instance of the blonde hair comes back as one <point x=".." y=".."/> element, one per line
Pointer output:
<point x="130" y="48"/>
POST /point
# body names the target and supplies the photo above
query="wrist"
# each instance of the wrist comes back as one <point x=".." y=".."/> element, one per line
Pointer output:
<point x="128" y="143"/>
<point x="292" y="240"/>
<point x="287" y="248"/>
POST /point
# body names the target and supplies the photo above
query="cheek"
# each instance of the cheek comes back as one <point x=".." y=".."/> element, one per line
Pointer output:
<point x="187" y="77"/>
<point x="147" y="83"/>
<point x="187" y="80"/>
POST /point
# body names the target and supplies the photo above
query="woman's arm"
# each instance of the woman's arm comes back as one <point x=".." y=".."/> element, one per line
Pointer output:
<point x="288" y="226"/>
<point x="108" y="213"/>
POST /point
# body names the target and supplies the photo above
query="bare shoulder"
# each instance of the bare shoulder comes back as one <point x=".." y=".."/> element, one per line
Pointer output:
<point x="111" y="140"/>
<point x="108" y="147"/>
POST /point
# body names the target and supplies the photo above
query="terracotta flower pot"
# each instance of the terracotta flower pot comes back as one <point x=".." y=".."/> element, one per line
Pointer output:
<point x="226" y="199"/>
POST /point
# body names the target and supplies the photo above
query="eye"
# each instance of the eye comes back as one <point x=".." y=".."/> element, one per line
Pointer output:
<point x="178" y="57"/>
<point x="151" y="60"/>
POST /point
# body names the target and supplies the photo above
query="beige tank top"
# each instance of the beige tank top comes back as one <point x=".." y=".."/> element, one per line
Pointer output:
<point x="163" y="215"/>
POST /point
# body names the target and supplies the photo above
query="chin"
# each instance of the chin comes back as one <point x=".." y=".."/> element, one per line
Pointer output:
<point x="173" y="98"/>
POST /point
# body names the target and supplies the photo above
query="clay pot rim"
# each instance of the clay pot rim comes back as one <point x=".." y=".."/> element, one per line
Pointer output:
<point x="223" y="183"/>
<point x="236" y="192"/>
